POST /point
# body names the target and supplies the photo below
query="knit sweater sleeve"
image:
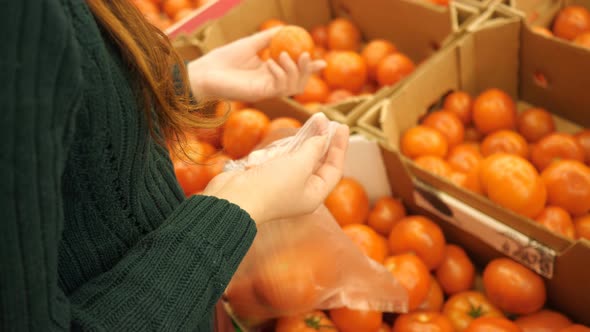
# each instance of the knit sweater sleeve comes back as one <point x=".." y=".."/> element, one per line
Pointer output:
<point x="173" y="276"/>
<point x="172" y="279"/>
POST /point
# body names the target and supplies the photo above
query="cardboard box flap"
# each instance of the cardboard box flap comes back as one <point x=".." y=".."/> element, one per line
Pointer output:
<point x="374" y="18"/>
<point x="369" y="121"/>
<point x="570" y="291"/>
<point x="313" y="13"/>
<point x="491" y="52"/>
<point x="463" y="14"/>
<point x="188" y="47"/>
<point x="561" y="89"/>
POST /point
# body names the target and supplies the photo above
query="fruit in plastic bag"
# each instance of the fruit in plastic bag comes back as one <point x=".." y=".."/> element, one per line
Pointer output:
<point x="300" y="264"/>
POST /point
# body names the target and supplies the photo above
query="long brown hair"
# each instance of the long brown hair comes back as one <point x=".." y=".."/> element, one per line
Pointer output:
<point x="150" y="55"/>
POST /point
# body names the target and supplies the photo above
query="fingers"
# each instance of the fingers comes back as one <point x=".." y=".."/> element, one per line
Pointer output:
<point x="290" y="78"/>
<point x="279" y="75"/>
<point x="318" y="123"/>
<point x="276" y="135"/>
<point x="310" y="153"/>
<point x="336" y="153"/>
<point x="305" y="71"/>
<point x="293" y="74"/>
<point x="317" y="65"/>
<point x="327" y="175"/>
<point x="298" y="74"/>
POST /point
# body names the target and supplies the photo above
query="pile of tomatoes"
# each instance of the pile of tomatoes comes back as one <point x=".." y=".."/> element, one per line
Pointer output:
<point x="163" y="13"/>
<point x="519" y="161"/>
<point x="572" y="24"/>
<point x="446" y="292"/>
<point x="352" y="68"/>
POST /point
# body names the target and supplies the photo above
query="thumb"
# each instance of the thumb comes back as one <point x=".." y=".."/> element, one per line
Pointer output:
<point x="311" y="152"/>
<point x="258" y="40"/>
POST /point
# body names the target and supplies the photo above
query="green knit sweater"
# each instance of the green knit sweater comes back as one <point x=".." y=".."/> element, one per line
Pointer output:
<point x="95" y="233"/>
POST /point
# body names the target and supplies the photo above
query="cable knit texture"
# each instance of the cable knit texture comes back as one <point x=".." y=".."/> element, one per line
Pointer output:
<point x="95" y="233"/>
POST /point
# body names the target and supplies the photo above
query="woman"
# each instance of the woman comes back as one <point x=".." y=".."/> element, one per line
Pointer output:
<point x="95" y="231"/>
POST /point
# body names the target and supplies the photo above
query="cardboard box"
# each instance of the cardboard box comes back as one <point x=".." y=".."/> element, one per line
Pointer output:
<point x="418" y="29"/>
<point x="498" y="52"/>
<point x="209" y="11"/>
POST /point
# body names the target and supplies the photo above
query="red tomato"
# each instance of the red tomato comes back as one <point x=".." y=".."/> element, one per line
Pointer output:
<point x="423" y="141"/>
<point x="462" y="308"/>
<point x="192" y="178"/>
<point x="543" y="321"/>
<point x="368" y="241"/>
<point x="245" y="304"/>
<point x="283" y="284"/>
<point x="192" y="170"/>
<point x="494" y="110"/>
<point x="535" y="123"/>
<point x="412" y="274"/>
<point x="505" y="141"/>
<point x="512" y="182"/>
<point x="385" y="214"/>
<point x="435" y="165"/>
<point x="243" y="131"/>
<point x="555" y="147"/>
<point x="568" y="186"/>
<point x="461" y="104"/>
<point x="419" y="235"/>
<point x="557" y="220"/>
<point x="435" y="298"/>
<point x="348" y="320"/>
<point x="513" y="287"/>
<point x="421" y="321"/>
<point x="464" y="157"/>
<point x="448" y="124"/>
<point x="315" y="321"/>
<point x="492" y="324"/>
<point x="456" y="273"/>
<point x="348" y="202"/>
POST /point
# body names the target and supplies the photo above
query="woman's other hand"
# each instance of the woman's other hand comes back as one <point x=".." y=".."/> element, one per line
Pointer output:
<point x="235" y="72"/>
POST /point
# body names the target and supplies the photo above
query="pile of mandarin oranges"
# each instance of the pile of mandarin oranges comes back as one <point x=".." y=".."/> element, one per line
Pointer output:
<point x="353" y="68"/>
<point x="518" y="160"/>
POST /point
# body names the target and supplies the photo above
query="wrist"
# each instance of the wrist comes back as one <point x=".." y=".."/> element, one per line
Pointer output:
<point x="247" y="204"/>
<point x="197" y="79"/>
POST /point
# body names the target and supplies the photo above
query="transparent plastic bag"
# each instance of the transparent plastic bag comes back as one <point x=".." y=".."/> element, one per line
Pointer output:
<point x="304" y="263"/>
<point x="317" y="125"/>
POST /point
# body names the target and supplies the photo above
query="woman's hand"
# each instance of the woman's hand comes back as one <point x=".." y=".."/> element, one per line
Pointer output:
<point x="289" y="185"/>
<point x="235" y="71"/>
